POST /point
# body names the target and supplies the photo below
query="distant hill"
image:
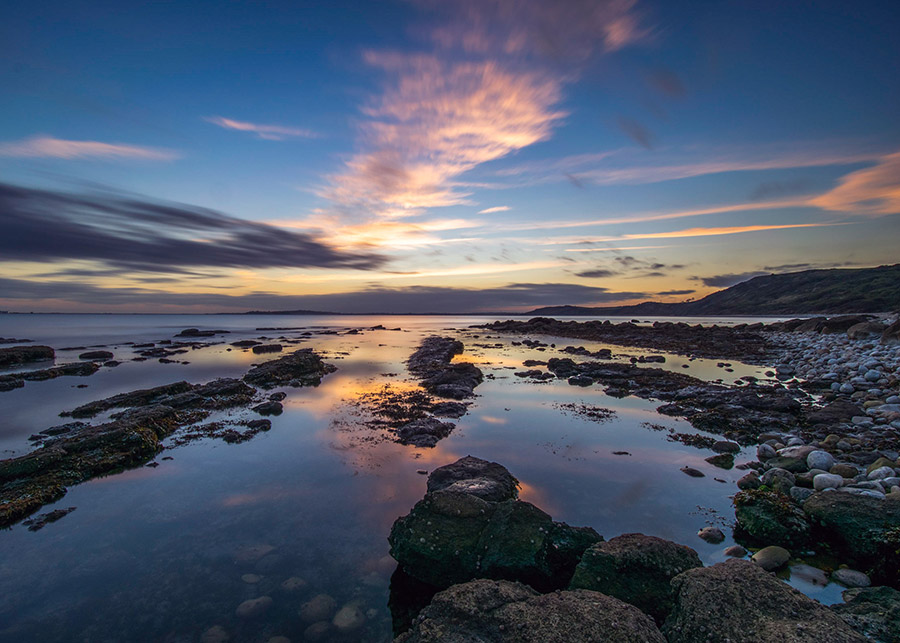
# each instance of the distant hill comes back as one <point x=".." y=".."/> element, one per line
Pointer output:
<point x="835" y="291"/>
<point x="287" y="312"/>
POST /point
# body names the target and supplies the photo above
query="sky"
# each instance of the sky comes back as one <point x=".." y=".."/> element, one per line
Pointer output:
<point x="446" y="156"/>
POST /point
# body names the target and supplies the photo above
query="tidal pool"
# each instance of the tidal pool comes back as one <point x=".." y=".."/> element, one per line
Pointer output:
<point x="165" y="553"/>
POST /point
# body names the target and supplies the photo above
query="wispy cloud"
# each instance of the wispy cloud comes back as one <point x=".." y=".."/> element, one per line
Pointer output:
<point x="266" y="132"/>
<point x="713" y="232"/>
<point x="498" y="208"/>
<point x="872" y="191"/>
<point x="58" y="148"/>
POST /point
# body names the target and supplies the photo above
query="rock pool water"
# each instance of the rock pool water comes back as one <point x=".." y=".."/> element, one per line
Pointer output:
<point x="169" y="553"/>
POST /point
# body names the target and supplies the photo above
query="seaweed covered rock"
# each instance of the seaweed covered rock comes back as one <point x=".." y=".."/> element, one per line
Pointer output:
<point x="300" y="368"/>
<point x="860" y="528"/>
<point x="470" y="525"/>
<point x="431" y="363"/>
<point x="769" y="518"/>
<point x="873" y="612"/>
<point x="738" y="602"/>
<point x="15" y="355"/>
<point x="501" y="611"/>
<point x="637" y="569"/>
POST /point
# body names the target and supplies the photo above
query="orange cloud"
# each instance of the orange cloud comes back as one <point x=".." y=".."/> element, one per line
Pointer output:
<point x="49" y="147"/>
<point x="711" y="232"/>
<point x="871" y="191"/>
<point x="267" y="132"/>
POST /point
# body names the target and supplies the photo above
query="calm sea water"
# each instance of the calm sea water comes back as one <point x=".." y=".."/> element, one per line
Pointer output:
<point x="162" y="554"/>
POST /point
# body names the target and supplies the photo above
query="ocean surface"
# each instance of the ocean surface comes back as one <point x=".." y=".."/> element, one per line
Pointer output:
<point x="163" y="554"/>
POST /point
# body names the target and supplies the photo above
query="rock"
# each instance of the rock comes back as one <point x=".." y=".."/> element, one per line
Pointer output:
<point x="721" y="460"/>
<point x="881" y="473"/>
<point x="765" y="452"/>
<point x="778" y="479"/>
<point x="793" y="465"/>
<point x="267" y="348"/>
<point x="844" y="470"/>
<point x="856" y="526"/>
<point x="891" y="334"/>
<point x="317" y="631"/>
<point x="749" y="481"/>
<point x="253" y="607"/>
<point x="424" y="432"/>
<point x="97" y="355"/>
<point x="820" y="460"/>
<point x="866" y="330"/>
<point x="873" y="612"/>
<point x="769" y="518"/>
<point x="506" y="612"/>
<point x="319" y="608"/>
<point x="850" y="578"/>
<point x="879" y="463"/>
<point x="737" y="601"/>
<point x="726" y="446"/>
<point x="293" y="584"/>
<point x="245" y="343"/>
<point x="771" y="558"/>
<point x="15" y="355"/>
<point x="349" y="618"/>
<point x="694" y="473"/>
<point x="251" y="579"/>
<point x="300" y="368"/>
<point x="269" y="408"/>
<point x="637" y="569"/>
<point x="827" y="481"/>
<point x="736" y="551"/>
<point x="712" y="535"/>
<point x="455" y="534"/>
<point x="800" y="494"/>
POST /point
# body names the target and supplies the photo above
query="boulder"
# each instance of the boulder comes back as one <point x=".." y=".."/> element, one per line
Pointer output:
<point x="23" y="354"/>
<point x="855" y="526"/>
<point x="738" y="602"/>
<point x="502" y="611"/>
<point x="891" y="334"/>
<point x="469" y="525"/>
<point x="873" y="612"/>
<point x="771" y="558"/>
<point x="769" y="518"/>
<point x="637" y="569"/>
<point x="865" y="330"/>
<point x="300" y="368"/>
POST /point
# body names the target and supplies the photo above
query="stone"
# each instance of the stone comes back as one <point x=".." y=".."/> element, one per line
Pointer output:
<point x="251" y="579"/>
<point x="879" y="463"/>
<point x="827" y="481"/>
<point x="881" y="473"/>
<point x="749" y="481"/>
<point x="637" y="569"/>
<point x="737" y="601"/>
<point x="735" y="551"/>
<point x="319" y="608"/>
<point x="507" y="612"/>
<point x="215" y="634"/>
<point x="850" y="578"/>
<point x="486" y="480"/>
<point x="694" y="473"/>
<point x="800" y="494"/>
<point x="726" y="446"/>
<point x="769" y="518"/>
<point x="771" y="558"/>
<point x="765" y="452"/>
<point x="712" y="535"/>
<point x="254" y="607"/>
<point x="293" y="584"/>
<point x="349" y="618"/>
<point x="267" y="348"/>
<point x="778" y="479"/>
<point x="873" y="612"/>
<point x="820" y="460"/>
<point x="844" y="470"/>
<point x="855" y="525"/>
<point x="317" y="631"/>
<point x="96" y="355"/>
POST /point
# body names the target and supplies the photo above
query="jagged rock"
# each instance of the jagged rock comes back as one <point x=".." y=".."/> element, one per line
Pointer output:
<point x="300" y="368"/>
<point x="501" y="612"/>
<point x="458" y="532"/>
<point x="637" y="569"/>
<point x="424" y="432"/>
<point x="15" y="355"/>
<point x="738" y="602"/>
<point x="769" y="518"/>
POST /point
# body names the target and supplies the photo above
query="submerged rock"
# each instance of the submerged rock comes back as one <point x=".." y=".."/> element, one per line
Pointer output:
<point x="737" y="601"/>
<point x="637" y="569"/>
<point x="15" y="355"/>
<point x="874" y="612"/>
<point x="502" y="611"/>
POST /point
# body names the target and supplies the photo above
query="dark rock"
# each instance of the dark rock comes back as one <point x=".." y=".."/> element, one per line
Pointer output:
<point x="424" y="432"/>
<point x="874" y="612"/>
<point x="449" y="409"/>
<point x="891" y="334"/>
<point x="431" y="363"/>
<point x="637" y="569"/>
<point x="300" y="368"/>
<point x="245" y="343"/>
<point x="736" y="601"/>
<point x="721" y="460"/>
<point x="16" y="355"/>
<point x="269" y="408"/>
<point x="196" y="332"/>
<point x="267" y="348"/>
<point x="769" y="518"/>
<point x="694" y="473"/>
<point x="97" y="355"/>
<point x="35" y="524"/>
<point x="725" y="446"/>
<point x="501" y="612"/>
<point x="486" y="480"/>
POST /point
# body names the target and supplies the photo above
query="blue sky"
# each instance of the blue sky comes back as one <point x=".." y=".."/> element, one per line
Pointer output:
<point x="439" y="156"/>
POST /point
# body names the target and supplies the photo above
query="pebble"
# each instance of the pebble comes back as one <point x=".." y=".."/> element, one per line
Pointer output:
<point x="771" y="558"/>
<point x="711" y="535"/>
<point x="820" y="460"/>
<point x="215" y="634"/>
<point x="880" y="473"/>
<point x="318" y="608"/>
<point x="317" y="631"/>
<point x="694" y="473"/>
<point x="850" y="578"/>
<point x="765" y="452"/>
<point x="827" y="481"/>
<point x="253" y="607"/>
<point x="293" y="584"/>
<point x="736" y="551"/>
<point x="350" y="617"/>
<point x="810" y="574"/>
<point x="251" y="579"/>
<point x="801" y="494"/>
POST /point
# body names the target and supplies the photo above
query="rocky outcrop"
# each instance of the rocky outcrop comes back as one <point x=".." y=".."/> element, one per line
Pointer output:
<point x="769" y="518"/>
<point x="77" y="369"/>
<point x="300" y="368"/>
<point x="470" y="525"/>
<point x="501" y="611"/>
<point x="736" y="601"/>
<point x="15" y="355"/>
<point x="873" y="612"/>
<point x="637" y="569"/>
<point x="220" y="393"/>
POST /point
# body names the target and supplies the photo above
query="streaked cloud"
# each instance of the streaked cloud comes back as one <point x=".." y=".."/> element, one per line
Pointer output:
<point x="498" y="208"/>
<point x="58" y="148"/>
<point x="873" y="191"/>
<point x="713" y="232"/>
<point x="266" y="132"/>
<point x="132" y="234"/>
<point x="673" y="293"/>
<point x="728" y="280"/>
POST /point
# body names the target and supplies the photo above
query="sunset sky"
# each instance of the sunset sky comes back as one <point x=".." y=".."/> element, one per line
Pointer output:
<point x="439" y="156"/>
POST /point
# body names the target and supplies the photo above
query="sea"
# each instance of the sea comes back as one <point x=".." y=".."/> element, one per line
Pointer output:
<point x="167" y="553"/>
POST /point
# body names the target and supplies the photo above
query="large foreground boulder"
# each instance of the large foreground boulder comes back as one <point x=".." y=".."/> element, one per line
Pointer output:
<point x="470" y="525"/>
<point x="637" y="569"/>
<point x="737" y="602"/>
<point x="873" y="612"/>
<point x="501" y="611"/>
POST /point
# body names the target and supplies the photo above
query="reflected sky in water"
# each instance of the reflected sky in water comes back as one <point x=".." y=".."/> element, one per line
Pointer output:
<point x="155" y="554"/>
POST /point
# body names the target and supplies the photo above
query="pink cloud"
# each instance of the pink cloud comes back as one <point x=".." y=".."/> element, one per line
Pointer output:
<point x="49" y="147"/>
<point x="267" y="132"/>
<point x="872" y="191"/>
